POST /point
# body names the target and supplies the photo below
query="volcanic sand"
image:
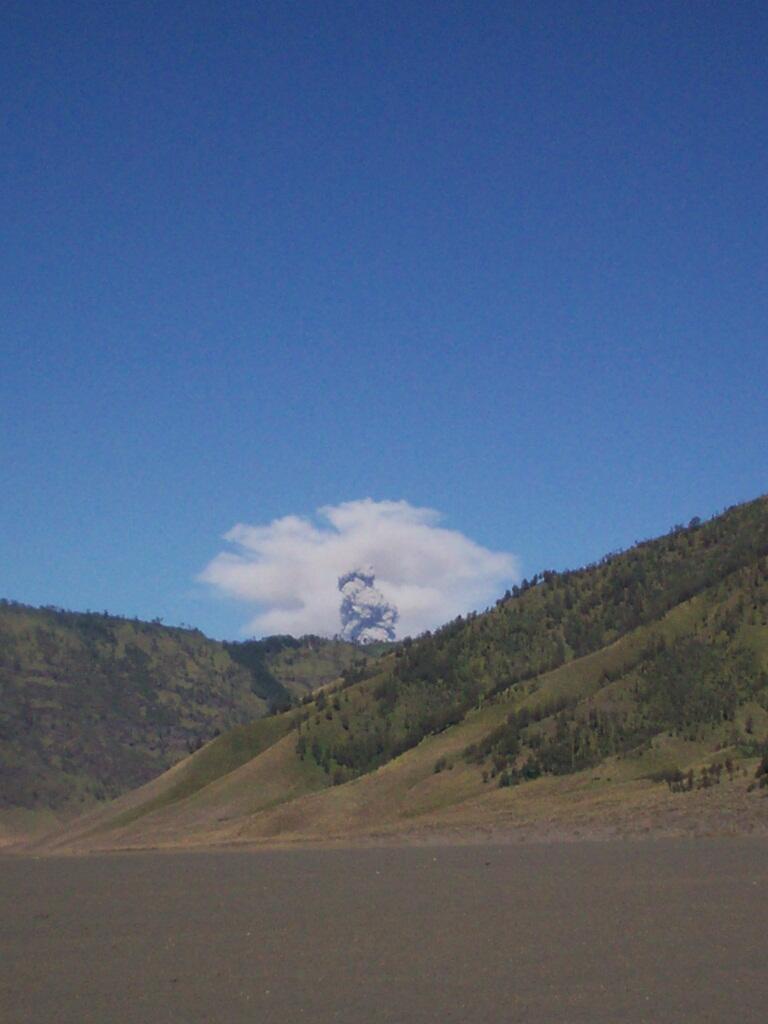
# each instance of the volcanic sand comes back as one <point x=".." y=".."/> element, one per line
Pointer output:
<point x="584" y="932"/>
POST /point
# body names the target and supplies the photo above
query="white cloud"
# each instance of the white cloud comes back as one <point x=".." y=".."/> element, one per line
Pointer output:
<point x="289" y="569"/>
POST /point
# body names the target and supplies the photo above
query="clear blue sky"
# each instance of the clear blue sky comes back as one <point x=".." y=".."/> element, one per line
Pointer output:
<point x="507" y="260"/>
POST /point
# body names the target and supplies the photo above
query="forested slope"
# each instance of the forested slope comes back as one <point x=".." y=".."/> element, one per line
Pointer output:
<point x="549" y="622"/>
<point x="92" y="704"/>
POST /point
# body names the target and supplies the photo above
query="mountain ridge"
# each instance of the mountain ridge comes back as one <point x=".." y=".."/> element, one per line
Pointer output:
<point x="631" y="694"/>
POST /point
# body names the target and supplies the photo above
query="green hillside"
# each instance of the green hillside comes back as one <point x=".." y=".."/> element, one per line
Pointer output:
<point x="92" y="705"/>
<point x="632" y="691"/>
<point x="554" y="620"/>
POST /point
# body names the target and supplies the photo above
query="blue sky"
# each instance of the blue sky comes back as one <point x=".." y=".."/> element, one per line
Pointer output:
<point x="502" y="260"/>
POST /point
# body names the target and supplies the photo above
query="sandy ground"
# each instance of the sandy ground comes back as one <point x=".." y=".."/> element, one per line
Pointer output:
<point x="657" y="931"/>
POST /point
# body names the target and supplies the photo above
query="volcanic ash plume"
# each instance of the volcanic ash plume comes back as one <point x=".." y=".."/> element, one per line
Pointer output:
<point x="366" y="615"/>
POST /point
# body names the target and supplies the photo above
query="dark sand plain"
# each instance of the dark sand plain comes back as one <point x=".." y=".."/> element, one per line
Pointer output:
<point x="655" y="931"/>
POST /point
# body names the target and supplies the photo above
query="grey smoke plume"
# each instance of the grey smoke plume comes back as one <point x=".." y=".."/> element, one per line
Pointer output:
<point x="366" y="615"/>
<point x="288" y="569"/>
